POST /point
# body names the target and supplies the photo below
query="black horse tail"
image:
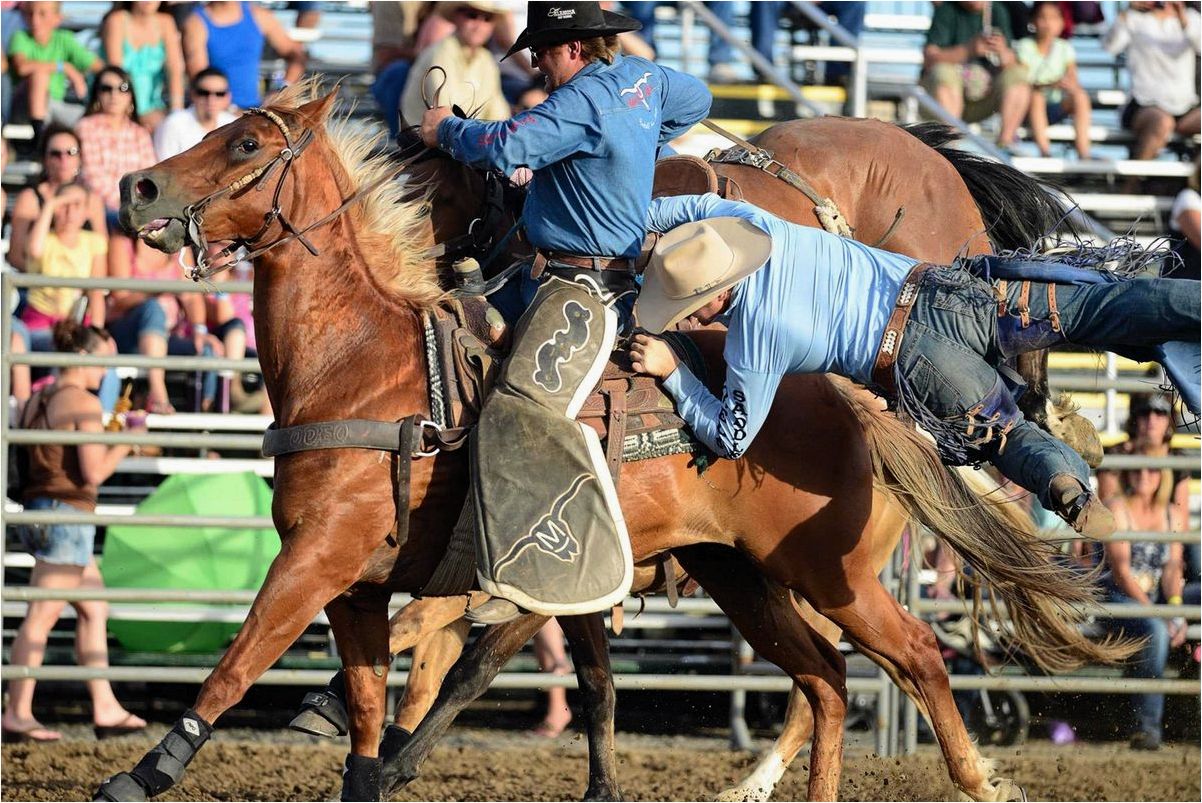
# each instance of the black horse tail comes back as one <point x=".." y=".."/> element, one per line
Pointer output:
<point x="1017" y="209"/>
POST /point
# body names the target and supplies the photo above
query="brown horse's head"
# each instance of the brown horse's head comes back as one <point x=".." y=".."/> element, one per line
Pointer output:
<point x="225" y="186"/>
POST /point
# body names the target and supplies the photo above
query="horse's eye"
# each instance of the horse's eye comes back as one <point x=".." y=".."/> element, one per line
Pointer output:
<point x="247" y="146"/>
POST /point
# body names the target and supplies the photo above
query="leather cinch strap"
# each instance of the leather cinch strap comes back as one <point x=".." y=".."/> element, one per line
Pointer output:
<point x="886" y="356"/>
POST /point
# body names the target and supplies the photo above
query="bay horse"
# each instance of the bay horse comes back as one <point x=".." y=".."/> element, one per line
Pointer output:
<point x="338" y="312"/>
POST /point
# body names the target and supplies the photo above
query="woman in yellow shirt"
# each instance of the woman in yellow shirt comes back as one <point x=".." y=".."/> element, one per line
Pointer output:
<point x="59" y="246"/>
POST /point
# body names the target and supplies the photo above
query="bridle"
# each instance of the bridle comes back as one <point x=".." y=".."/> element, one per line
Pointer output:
<point x="224" y="259"/>
<point x="480" y="240"/>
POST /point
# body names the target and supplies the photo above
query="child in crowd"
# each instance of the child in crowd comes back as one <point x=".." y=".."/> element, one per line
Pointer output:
<point x="146" y="43"/>
<point x="60" y="246"/>
<point x="49" y="61"/>
<point x="1051" y="66"/>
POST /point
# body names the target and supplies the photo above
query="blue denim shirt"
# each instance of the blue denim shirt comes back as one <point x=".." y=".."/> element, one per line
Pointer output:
<point x="592" y="146"/>
<point x="820" y="305"/>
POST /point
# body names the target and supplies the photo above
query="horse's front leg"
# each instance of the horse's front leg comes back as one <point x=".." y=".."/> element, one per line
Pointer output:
<point x="315" y="564"/>
<point x="590" y="654"/>
<point x="360" y="623"/>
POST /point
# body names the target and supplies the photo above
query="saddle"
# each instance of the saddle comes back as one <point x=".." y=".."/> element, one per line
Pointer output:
<point x="689" y="175"/>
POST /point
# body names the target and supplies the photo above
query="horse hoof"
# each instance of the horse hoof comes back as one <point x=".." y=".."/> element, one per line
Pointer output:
<point x="321" y="714"/>
<point x="122" y="786"/>
<point x="393" y="775"/>
<point x="495" y="611"/>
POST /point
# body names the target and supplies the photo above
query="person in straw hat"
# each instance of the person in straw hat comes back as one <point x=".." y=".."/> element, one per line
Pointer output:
<point x="930" y="339"/>
<point x="469" y="76"/>
<point x="550" y="536"/>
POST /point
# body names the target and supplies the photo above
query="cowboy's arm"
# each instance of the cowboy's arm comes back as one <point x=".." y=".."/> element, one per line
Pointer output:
<point x="665" y="214"/>
<point x="727" y="425"/>
<point x="686" y="102"/>
<point x="563" y="125"/>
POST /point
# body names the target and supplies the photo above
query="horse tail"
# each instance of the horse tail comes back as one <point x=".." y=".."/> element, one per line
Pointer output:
<point x="1017" y="209"/>
<point x="1044" y="598"/>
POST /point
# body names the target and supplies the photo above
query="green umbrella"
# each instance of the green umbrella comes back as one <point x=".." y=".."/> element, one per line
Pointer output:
<point x="190" y="557"/>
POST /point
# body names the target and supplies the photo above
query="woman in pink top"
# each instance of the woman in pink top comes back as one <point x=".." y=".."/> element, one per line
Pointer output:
<point x="114" y="142"/>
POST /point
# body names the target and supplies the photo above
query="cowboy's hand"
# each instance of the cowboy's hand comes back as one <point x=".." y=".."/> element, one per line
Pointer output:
<point x="652" y="356"/>
<point x="430" y="121"/>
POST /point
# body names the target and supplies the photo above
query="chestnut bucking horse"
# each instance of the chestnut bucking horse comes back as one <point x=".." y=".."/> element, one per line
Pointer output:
<point x="343" y="280"/>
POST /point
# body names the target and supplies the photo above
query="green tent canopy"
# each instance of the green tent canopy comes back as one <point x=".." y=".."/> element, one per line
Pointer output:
<point x="208" y="558"/>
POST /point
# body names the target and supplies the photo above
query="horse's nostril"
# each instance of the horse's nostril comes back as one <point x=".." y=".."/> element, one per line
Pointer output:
<point x="146" y="190"/>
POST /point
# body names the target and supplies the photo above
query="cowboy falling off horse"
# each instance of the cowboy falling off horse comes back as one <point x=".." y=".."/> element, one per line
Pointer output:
<point x="930" y="339"/>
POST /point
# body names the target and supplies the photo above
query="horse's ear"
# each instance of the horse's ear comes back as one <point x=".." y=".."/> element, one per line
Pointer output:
<point x="318" y="110"/>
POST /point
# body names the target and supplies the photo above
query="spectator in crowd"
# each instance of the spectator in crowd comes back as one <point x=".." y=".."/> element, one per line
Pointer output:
<point x="1161" y="40"/>
<point x="1051" y="64"/>
<point x="60" y="246"/>
<point x="1142" y="573"/>
<point x="763" y="18"/>
<point x="112" y="140"/>
<point x="49" y="61"/>
<point x="970" y="68"/>
<point x="65" y="478"/>
<point x="850" y="16"/>
<point x="549" y="652"/>
<point x="210" y="110"/>
<point x="1185" y="220"/>
<point x="141" y="323"/>
<point x="145" y="42"/>
<point x="230" y="36"/>
<point x="1150" y="432"/>
<point x="394" y="29"/>
<point x="61" y="164"/>
<point x="472" y="79"/>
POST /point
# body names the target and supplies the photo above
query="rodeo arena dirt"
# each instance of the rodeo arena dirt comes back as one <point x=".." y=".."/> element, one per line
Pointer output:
<point x="259" y="430"/>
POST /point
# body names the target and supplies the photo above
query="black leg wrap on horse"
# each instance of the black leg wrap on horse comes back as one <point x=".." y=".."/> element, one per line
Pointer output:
<point x="323" y="713"/>
<point x="361" y="778"/>
<point x="164" y="766"/>
<point x="122" y="786"/>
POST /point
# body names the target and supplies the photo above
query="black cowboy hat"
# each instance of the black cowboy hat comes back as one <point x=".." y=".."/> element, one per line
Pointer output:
<point x="555" y="23"/>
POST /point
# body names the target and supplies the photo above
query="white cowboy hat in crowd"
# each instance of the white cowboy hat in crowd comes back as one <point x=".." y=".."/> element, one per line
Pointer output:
<point x="448" y="9"/>
<point x="692" y="264"/>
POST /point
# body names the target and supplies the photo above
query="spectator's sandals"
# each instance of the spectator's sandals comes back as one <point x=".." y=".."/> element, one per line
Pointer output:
<point x="38" y="733"/>
<point x="122" y="728"/>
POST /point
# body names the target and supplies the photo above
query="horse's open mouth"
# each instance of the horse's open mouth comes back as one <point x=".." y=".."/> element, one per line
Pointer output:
<point x="163" y="233"/>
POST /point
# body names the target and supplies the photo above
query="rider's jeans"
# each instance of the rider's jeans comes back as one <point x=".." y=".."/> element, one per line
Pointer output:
<point x="951" y="349"/>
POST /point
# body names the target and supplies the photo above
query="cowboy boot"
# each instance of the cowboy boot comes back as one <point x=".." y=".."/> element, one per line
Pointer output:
<point x="1080" y="507"/>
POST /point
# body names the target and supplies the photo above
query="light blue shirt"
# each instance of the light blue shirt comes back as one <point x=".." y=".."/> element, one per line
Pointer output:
<point x="592" y="146"/>
<point x="819" y="305"/>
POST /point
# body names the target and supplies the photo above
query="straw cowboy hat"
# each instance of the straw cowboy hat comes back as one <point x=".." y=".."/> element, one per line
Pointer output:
<point x="556" y="23"/>
<point x="693" y="264"/>
<point x="448" y="9"/>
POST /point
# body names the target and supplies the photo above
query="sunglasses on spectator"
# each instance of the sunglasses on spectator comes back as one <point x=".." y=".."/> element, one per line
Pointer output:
<point x="210" y="93"/>
<point x="111" y="88"/>
<point x="57" y="154"/>
<point x="475" y="14"/>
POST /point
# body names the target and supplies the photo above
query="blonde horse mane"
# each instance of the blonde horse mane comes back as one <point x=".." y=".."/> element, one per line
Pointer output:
<point x="392" y="220"/>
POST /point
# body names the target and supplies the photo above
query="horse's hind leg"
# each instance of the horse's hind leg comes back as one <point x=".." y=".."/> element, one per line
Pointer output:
<point x="590" y="654"/>
<point x="764" y="614"/>
<point x="467" y="680"/>
<point x="906" y="649"/>
<point x="360" y="623"/>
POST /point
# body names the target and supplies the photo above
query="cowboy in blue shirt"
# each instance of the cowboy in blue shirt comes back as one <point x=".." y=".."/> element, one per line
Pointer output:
<point x="551" y="536"/>
<point x="800" y="300"/>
